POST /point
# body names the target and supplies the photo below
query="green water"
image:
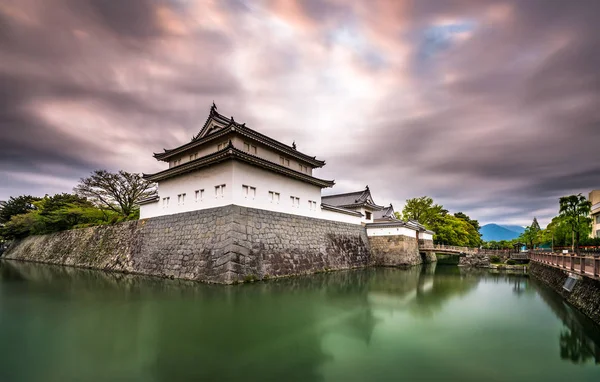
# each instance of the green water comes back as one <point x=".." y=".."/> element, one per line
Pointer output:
<point x="421" y="324"/>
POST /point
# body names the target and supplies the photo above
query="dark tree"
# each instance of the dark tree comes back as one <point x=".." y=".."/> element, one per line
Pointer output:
<point x="119" y="192"/>
<point x="535" y="225"/>
<point x="16" y="206"/>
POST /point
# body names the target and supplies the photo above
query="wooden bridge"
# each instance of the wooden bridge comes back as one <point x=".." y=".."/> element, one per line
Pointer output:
<point x="464" y="251"/>
<point x="447" y="249"/>
<point x="582" y="265"/>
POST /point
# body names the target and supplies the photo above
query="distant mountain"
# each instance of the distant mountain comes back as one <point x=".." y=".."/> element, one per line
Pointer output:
<point x="497" y="232"/>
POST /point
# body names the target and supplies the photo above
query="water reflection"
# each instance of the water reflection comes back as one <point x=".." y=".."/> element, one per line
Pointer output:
<point x="76" y="324"/>
<point x="580" y="338"/>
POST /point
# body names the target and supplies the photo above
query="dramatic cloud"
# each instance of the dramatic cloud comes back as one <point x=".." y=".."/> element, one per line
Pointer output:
<point x="490" y="107"/>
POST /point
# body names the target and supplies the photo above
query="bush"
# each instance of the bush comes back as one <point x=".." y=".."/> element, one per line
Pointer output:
<point x="510" y="262"/>
<point x="495" y="259"/>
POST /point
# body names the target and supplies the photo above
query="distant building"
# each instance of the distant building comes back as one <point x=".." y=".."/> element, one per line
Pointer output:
<point x="359" y="201"/>
<point x="386" y="224"/>
<point x="594" y="198"/>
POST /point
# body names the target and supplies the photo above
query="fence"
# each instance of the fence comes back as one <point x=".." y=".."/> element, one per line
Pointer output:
<point x="583" y="265"/>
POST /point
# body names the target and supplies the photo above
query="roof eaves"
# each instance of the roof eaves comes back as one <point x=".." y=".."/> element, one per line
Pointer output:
<point x="341" y="210"/>
<point x="231" y="152"/>
<point x="281" y="146"/>
<point x="169" y="153"/>
<point x="148" y="200"/>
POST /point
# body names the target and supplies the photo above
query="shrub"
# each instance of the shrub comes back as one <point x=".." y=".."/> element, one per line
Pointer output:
<point x="495" y="259"/>
<point x="511" y="262"/>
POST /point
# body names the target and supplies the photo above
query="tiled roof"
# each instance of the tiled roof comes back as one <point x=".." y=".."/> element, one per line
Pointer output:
<point x="392" y="222"/>
<point x="229" y="125"/>
<point x="386" y="212"/>
<point x="231" y="153"/>
<point x="352" y="199"/>
<point x="340" y="209"/>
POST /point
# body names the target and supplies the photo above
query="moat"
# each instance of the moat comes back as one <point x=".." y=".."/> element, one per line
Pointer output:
<point x="421" y="324"/>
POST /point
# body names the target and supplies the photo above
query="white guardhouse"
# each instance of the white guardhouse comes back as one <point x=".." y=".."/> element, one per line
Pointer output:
<point x="386" y="224"/>
<point x="379" y="220"/>
<point x="229" y="163"/>
<point x="359" y="201"/>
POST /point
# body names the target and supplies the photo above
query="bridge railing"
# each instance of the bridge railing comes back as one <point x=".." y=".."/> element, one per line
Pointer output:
<point x="519" y="256"/>
<point x="583" y="265"/>
<point x="453" y="248"/>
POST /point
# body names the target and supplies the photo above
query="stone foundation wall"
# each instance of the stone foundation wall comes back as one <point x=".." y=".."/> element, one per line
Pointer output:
<point x="585" y="296"/>
<point x="221" y="245"/>
<point x="392" y="251"/>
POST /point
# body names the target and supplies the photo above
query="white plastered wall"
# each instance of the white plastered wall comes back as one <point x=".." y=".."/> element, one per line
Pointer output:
<point x="425" y="236"/>
<point x="205" y="179"/>
<point x="235" y="175"/>
<point x="392" y="231"/>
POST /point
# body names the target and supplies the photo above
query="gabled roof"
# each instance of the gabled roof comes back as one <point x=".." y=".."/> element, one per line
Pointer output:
<point x="231" y="153"/>
<point x="352" y="200"/>
<point x="341" y="210"/>
<point x="392" y="222"/>
<point x="386" y="212"/>
<point x="217" y="125"/>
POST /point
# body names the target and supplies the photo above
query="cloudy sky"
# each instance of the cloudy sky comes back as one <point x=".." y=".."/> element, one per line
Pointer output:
<point x="490" y="107"/>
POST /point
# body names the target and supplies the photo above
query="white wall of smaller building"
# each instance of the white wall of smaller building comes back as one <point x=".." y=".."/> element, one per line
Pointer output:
<point x="391" y="231"/>
<point x="425" y="236"/>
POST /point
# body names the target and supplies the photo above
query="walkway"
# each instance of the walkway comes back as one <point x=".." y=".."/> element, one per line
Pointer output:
<point x="582" y="265"/>
<point x="448" y="249"/>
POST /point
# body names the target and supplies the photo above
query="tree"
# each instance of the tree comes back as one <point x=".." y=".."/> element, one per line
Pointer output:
<point x="56" y="213"/>
<point x="535" y="225"/>
<point x="423" y="210"/>
<point x="16" y="206"/>
<point x="474" y="235"/>
<point x="466" y="218"/>
<point x="119" y="192"/>
<point x="532" y="234"/>
<point x="451" y="230"/>
<point x="575" y="210"/>
<point x="529" y="236"/>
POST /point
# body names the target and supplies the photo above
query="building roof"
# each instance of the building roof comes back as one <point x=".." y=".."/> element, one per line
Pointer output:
<point x="148" y="200"/>
<point x="392" y="222"/>
<point x="217" y="125"/>
<point x="386" y="212"/>
<point x="352" y="200"/>
<point x="231" y="153"/>
<point x="341" y="210"/>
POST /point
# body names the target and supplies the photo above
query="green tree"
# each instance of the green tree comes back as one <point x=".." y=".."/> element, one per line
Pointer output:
<point x="16" y="206"/>
<point x="458" y="229"/>
<point x="575" y="210"/>
<point x="56" y="213"/>
<point x="451" y="230"/>
<point x="532" y="234"/>
<point x="119" y="192"/>
<point x="529" y="236"/>
<point x="466" y="218"/>
<point x="474" y="235"/>
<point x="422" y="210"/>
